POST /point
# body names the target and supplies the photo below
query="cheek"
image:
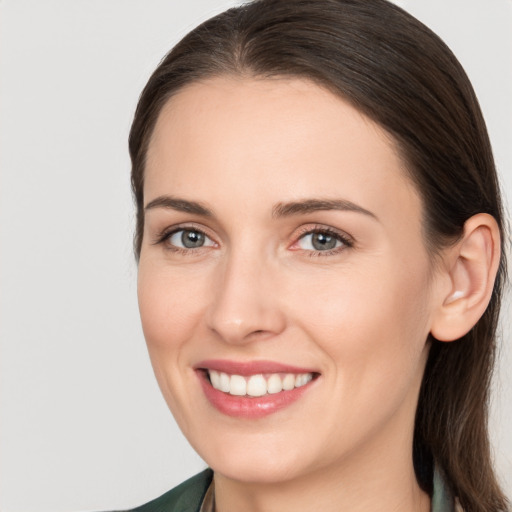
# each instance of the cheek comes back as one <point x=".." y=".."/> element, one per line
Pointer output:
<point x="170" y="311"/>
<point x="370" y="323"/>
<point x="373" y="332"/>
<point x="170" y="306"/>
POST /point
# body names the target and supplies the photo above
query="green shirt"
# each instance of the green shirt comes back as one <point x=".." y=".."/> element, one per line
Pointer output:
<point x="188" y="496"/>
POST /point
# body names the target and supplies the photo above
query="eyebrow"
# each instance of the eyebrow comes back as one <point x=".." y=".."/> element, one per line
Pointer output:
<point x="315" y="205"/>
<point x="278" y="211"/>
<point x="181" y="205"/>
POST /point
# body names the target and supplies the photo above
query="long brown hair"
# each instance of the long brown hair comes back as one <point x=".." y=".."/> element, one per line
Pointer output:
<point x="401" y="75"/>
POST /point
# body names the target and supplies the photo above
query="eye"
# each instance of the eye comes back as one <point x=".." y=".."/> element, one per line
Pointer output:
<point x="188" y="239"/>
<point x="322" y="240"/>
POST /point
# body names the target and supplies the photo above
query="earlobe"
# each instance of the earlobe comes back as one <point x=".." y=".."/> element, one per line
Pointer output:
<point x="471" y="267"/>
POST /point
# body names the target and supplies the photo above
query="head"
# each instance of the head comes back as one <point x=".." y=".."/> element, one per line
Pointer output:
<point x="402" y="81"/>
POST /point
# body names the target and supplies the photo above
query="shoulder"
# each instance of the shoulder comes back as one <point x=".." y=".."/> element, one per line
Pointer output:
<point x="186" y="497"/>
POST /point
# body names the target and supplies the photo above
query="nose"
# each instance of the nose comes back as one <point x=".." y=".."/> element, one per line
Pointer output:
<point x="245" y="301"/>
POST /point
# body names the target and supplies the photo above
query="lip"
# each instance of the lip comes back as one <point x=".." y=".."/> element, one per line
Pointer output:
<point x="246" y="368"/>
<point x="245" y="406"/>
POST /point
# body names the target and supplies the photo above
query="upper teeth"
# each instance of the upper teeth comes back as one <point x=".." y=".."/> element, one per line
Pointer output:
<point x="257" y="385"/>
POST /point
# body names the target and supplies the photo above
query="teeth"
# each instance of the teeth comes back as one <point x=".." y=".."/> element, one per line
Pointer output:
<point x="237" y="385"/>
<point x="224" y="382"/>
<point x="215" y="378"/>
<point x="274" y="384"/>
<point x="302" y="380"/>
<point x="289" y="382"/>
<point x="257" y="385"/>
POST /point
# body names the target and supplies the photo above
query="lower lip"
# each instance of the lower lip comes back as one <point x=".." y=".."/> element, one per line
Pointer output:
<point x="246" y="406"/>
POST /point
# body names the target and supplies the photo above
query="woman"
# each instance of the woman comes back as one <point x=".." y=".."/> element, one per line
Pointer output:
<point x="319" y="234"/>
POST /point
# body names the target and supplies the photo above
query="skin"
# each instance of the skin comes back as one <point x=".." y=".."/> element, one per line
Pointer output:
<point x="359" y="315"/>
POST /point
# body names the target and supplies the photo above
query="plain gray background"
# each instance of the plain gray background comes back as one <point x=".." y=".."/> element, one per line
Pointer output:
<point x="83" y="425"/>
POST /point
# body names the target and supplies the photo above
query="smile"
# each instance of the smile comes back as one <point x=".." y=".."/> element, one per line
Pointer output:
<point x="254" y="389"/>
<point x="257" y="385"/>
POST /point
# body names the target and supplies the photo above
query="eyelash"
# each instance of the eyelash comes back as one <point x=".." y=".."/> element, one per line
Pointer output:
<point x="346" y="241"/>
<point x="165" y="235"/>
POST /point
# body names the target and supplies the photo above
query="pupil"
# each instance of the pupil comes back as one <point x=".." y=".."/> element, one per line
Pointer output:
<point x="323" y="242"/>
<point x="192" y="239"/>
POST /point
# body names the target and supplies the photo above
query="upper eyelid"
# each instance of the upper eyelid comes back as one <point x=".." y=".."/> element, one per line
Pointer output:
<point x="319" y="228"/>
<point x="347" y="241"/>
<point x="167" y="232"/>
<point x="298" y="233"/>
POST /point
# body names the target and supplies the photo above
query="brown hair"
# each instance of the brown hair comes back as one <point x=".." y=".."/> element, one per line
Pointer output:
<point x="401" y="75"/>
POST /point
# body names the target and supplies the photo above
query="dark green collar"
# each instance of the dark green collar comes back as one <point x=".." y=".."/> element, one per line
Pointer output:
<point x="442" y="500"/>
<point x="188" y="496"/>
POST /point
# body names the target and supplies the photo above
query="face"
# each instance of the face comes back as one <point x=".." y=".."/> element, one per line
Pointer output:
<point x="284" y="285"/>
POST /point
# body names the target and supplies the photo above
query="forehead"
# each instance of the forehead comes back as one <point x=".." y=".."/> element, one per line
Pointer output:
<point x="255" y="140"/>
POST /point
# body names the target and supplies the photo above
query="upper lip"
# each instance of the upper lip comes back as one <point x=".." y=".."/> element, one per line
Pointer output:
<point x="246" y="368"/>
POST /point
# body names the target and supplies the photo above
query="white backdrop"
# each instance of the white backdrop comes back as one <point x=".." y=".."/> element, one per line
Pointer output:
<point x="83" y="425"/>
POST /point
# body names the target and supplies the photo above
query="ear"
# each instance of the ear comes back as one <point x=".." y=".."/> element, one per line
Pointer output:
<point x="470" y="268"/>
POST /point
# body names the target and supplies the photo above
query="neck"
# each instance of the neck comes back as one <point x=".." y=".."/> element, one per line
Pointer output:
<point x="375" y="492"/>
<point x="378" y="490"/>
<point x="379" y="477"/>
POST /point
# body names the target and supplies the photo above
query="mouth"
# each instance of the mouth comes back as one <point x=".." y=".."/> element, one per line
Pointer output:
<point x="257" y="385"/>
<point x="255" y="389"/>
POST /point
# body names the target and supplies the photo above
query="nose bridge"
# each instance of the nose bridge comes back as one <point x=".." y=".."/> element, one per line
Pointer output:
<point x="243" y="304"/>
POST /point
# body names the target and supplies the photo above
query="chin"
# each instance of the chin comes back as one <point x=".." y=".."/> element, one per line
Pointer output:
<point x="257" y="472"/>
<point x="264" y="466"/>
